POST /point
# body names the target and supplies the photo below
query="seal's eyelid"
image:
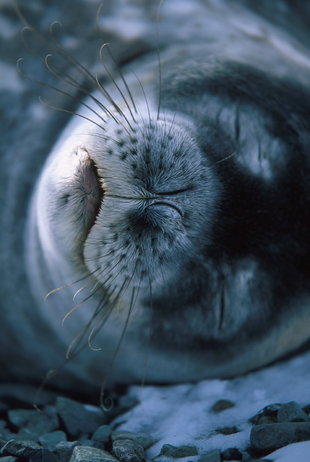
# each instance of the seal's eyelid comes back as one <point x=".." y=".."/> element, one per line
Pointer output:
<point x="172" y="193"/>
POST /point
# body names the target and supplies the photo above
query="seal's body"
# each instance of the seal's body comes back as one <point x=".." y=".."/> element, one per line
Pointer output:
<point x="172" y="216"/>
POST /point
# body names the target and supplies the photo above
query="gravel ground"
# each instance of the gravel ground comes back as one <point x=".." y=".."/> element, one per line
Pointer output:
<point x="62" y="429"/>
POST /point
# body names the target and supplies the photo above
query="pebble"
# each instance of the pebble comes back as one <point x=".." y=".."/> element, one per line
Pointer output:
<point x="102" y="434"/>
<point x="306" y="409"/>
<point x="128" y="451"/>
<point x="291" y="412"/>
<point x="227" y="430"/>
<point x="269" y="412"/>
<point x="79" y="419"/>
<point x="178" y="452"/>
<point x="268" y="437"/>
<point x="92" y="443"/>
<point x="64" y="450"/>
<point x="144" y="439"/>
<point x="211" y="456"/>
<point x="221" y="405"/>
<point x="231" y="454"/>
<point x="31" y="423"/>
<point x="50" y="440"/>
<point x="29" y="450"/>
<point x="90" y="454"/>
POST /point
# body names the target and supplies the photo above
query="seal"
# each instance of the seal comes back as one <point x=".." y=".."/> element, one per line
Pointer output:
<point x="168" y="225"/>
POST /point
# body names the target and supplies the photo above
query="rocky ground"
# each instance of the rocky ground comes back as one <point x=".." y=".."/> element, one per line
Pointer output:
<point x="66" y="430"/>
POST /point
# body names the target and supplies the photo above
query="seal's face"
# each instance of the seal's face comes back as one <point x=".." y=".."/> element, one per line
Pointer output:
<point x="184" y="228"/>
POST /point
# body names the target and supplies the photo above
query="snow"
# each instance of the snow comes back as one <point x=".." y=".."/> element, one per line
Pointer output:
<point x="181" y="414"/>
<point x="297" y="452"/>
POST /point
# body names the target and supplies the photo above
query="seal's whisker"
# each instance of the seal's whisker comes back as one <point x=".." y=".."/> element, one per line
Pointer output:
<point x="112" y="302"/>
<point x="110" y="305"/>
<point x="144" y="96"/>
<point x="148" y="337"/>
<point x="78" y="65"/>
<point x="94" y="289"/>
<point x="102" y="137"/>
<point x="59" y="90"/>
<point x="66" y="286"/>
<point x="71" y="81"/>
<point x="23" y="32"/>
<point x="67" y="111"/>
<point x="237" y="125"/>
<point x="67" y="78"/>
<point x="74" y="308"/>
<point x="76" y="342"/>
<point x="172" y="124"/>
<point x="68" y="58"/>
<point x="118" y="109"/>
<point x="106" y="45"/>
<point x="81" y="290"/>
<point x="226" y="158"/>
<point x="134" y="295"/>
<point x="106" y="271"/>
<point x="122" y="78"/>
<point x="158" y="58"/>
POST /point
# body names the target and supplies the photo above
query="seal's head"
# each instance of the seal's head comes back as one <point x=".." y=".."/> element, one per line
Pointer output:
<point x="172" y="228"/>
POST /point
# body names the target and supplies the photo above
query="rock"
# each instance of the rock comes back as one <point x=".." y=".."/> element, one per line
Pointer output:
<point x="50" y="440"/>
<point x="79" y="419"/>
<point x="102" y="434"/>
<point x="227" y="430"/>
<point x="211" y="456"/>
<point x="291" y="412"/>
<point x="270" y="411"/>
<point x="269" y="437"/>
<point x="29" y="450"/>
<point x="178" y="452"/>
<point x="91" y="443"/>
<point x="246" y="457"/>
<point x="306" y="409"/>
<point x="265" y="419"/>
<point x="64" y="450"/>
<point x="32" y="423"/>
<point x="128" y="451"/>
<point x="6" y="434"/>
<point x="90" y="454"/>
<point x="8" y="459"/>
<point x="231" y="454"/>
<point x="20" y="417"/>
<point x="144" y="439"/>
<point x="221" y="405"/>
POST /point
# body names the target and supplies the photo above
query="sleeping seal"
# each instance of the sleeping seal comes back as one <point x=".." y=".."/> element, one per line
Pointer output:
<point x="168" y="223"/>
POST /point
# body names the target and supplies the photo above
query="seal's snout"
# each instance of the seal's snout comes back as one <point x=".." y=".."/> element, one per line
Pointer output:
<point x="159" y="193"/>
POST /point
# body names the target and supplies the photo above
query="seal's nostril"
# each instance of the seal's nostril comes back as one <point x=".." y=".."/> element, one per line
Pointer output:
<point x="91" y="179"/>
<point x="92" y="190"/>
